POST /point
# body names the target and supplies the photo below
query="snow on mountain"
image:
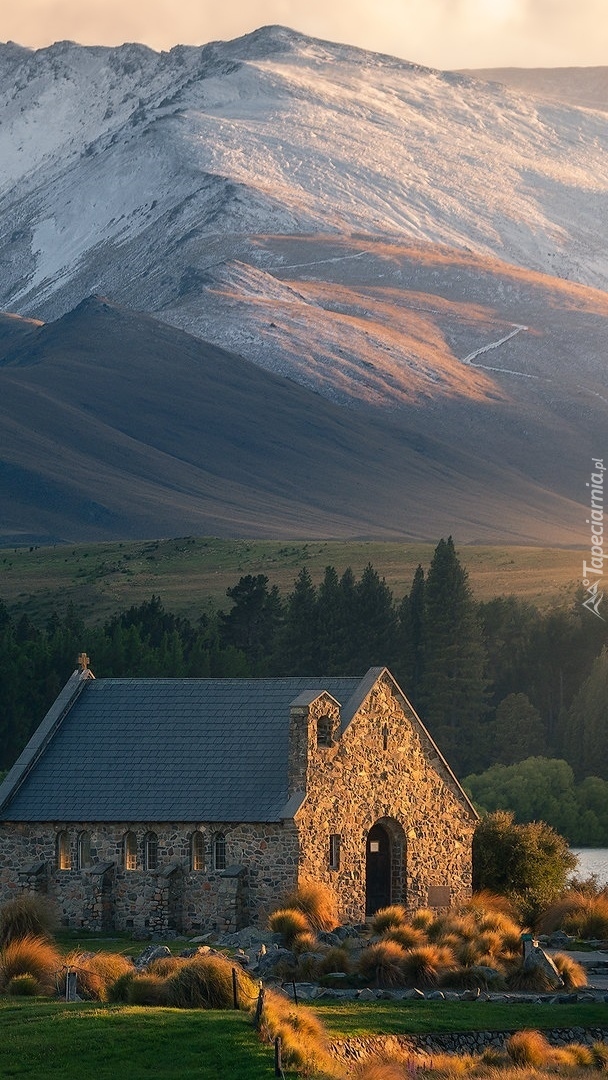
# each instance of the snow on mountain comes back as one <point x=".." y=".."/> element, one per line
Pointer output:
<point x="130" y="172"/>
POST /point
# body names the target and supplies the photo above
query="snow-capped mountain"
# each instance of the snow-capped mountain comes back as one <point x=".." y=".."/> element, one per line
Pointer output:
<point x="393" y="237"/>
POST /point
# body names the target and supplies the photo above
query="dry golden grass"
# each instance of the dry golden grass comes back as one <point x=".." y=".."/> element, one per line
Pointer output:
<point x="336" y="958"/>
<point x="406" y="935"/>
<point x="423" y="918"/>
<point x="289" y="923"/>
<point x="528" y="1048"/>
<point x="27" y="915"/>
<point x="388" y="918"/>
<point x="535" y="980"/>
<point x="577" y="913"/>
<point x="22" y="986"/>
<point x="164" y="966"/>
<point x="484" y="900"/>
<point x="95" y="974"/>
<point x="382" y="964"/>
<point x="318" y="903"/>
<point x="205" y="982"/>
<point x="573" y="974"/>
<point x="425" y="965"/>
<point x="387" y="1070"/>
<point x="33" y="956"/>
<point x="305" y="942"/>
<point x="303" y="1036"/>
<point x="148" y="990"/>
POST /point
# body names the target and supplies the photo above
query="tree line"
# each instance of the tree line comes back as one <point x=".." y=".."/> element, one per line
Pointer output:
<point x="496" y="682"/>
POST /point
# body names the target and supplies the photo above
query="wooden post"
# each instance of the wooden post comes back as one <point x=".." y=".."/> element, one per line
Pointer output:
<point x="259" y="1008"/>
<point x="278" y="1066"/>
<point x="70" y="985"/>
<point x="235" y="989"/>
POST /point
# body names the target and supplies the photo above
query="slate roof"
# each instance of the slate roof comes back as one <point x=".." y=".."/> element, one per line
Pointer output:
<point x="164" y="750"/>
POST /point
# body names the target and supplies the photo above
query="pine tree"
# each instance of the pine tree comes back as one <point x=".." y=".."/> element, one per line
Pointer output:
<point x="586" y="725"/>
<point x="453" y="686"/>
<point x="252" y="624"/>
<point x="411" y="622"/>
<point x="375" y="624"/>
<point x="297" y="644"/>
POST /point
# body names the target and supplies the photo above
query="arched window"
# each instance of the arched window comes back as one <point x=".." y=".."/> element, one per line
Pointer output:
<point x="151" y="851"/>
<point x="219" y="851"/>
<point x="130" y="851"/>
<point x="84" y="850"/>
<point x="197" y="851"/>
<point x="325" y="728"/>
<point x="64" y="855"/>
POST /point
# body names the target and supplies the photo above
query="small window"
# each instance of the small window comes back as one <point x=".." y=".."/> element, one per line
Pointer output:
<point x="197" y="851"/>
<point x="64" y="855"/>
<point x="325" y="731"/>
<point x="334" y="851"/>
<point x="385" y="738"/>
<point x="219" y="852"/>
<point x="151" y="851"/>
<point x="84" y="850"/>
<point x="130" y="851"/>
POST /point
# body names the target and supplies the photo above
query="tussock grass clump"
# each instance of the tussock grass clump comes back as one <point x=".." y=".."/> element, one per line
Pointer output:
<point x="573" y="974"/>
<point x="599" y="1056"/>
<point x="423" y="919"/>
<point x="164" y="966"/>
<point x="317" y="902"/>
<point x="118" y="991"/>
<point x="289" y="923"/>
<point x="528" y="1048"/>
<point x="382" y="964"/>
<point x="305" y="942"/>
<point x="147" y="990"/>
<point x="205" y="982"/>
<point x="474" y="976"/>
<point x="304" y="1039"/>
<point x="28" y="915"/>
<point x="485" y="900"/>
<point x="31" y="956"/>
<point x="336" y="958"/>
<point x="406" y="935"/>
<point x="22" y="986"/>
<point x="534" y="980"/>
<point x="95" y="973"/>
<point x="425" y="965"/>
<point x="581" y="914"/>
<point x="388" y="917"/>
<point x="382" y="1070"/>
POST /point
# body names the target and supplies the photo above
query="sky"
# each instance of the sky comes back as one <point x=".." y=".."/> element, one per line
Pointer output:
<point x="438" y="33"/>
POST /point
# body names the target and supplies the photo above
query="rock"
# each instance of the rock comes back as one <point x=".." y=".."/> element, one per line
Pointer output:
<point x="366" y="995"/>
<point x="153" y="952"/>
<point x="198" y="950"/>
<point x="471" y="995"/>
<point x="414" y="995"/>
<point x="202" y="939"/>
<point x="536" y="959"/>
<point x="268" y="964"/>
<point x="329" y="938"/>
<point x="436" y="995"/>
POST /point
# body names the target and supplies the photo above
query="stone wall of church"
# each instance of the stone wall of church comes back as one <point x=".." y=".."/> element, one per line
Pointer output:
<point x="384" y="769"/>
<point x="260" y="866"/>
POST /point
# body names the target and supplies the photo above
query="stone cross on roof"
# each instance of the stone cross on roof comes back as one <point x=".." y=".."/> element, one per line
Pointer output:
<point x="83" y="661"/>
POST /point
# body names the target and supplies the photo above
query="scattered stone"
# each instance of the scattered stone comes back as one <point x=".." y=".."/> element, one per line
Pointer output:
<point x="366" y="995"/>
<point x="436" y="995"/>
<point x="413" y="995"/>
<point x="153" y="952"/>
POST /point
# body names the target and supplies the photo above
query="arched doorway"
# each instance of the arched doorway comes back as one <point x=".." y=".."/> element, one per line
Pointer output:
<point x="378" y="869"/>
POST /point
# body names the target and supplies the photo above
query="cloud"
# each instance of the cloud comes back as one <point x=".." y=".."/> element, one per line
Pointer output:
<point x="441" y="33"/>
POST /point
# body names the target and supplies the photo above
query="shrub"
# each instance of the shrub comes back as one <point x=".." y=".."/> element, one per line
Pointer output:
<point x="599" y="1056"/>
<point x="484" y="900"/>
<point x="382" y="964"/>
<point x="473" y="976"/>
<point x="147" y="990"/>
<point x="426" y="964"/>
<point x="423" y="919"/>
<point x="528" y="1048"/>
<point x="289" y="922"/>
<point x="31" y="956"/>
<point x="535" y="980"/>
<point x="205" y="982"/>
<point x="573" y="974"/>
<point x="388" y="917"/>
<point x="28" y="915"/>
<point x="317" y="902"/>
<point x="96" y="972"/>
<point x="22" y="986"/>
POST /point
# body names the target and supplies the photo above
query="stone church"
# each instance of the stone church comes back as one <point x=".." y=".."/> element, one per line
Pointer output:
<point x="192" y="804"/>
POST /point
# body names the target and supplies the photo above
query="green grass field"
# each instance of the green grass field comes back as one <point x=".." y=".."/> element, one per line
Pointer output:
<point x="190" y="574"/>
<point x="59" y="1041"/>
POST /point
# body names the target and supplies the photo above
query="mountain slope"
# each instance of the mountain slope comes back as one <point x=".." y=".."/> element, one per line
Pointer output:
<point x="116" y="425"/>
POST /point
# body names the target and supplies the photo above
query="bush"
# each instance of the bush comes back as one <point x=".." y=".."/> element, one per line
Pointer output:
<point x="389" y="917"/>
<point x="164" y="966"/>
<point x="317" y="902"/>
<point x="303" y="1037"/>
<point x="527" y="863"/>
<point x="22" y="986"/>
<point x="289" y="923"/>
<point x="205" y="982"/>
<point x="406" y="936"/>
<point x="305" y="942"/>
<point x="599" y="1056"/>
<point x="118" y="991"/>
<point x="382" y="964"/>
<point x="31" y="956"/>
<point x="28" y="915"/>
<point x="473" y="976"/>
<point x="534" y="980"/>
<point x="577" y="913"/>
<point x="528" y="1048"/>
<point x="484" y="900"/>
<point x="336" y="959"/>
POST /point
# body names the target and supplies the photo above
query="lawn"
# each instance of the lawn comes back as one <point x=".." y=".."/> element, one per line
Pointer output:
<point x="57" y="1041"/>
<point x="344" y="1019"/>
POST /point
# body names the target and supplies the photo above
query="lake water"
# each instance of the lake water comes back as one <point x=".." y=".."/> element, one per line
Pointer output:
<point x="592" y="861"/>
